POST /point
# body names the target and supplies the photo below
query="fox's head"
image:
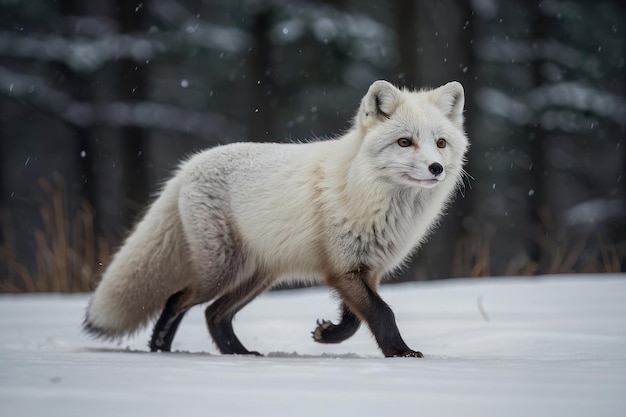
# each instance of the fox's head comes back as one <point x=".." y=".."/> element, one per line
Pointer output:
<point x="413" y="138"/>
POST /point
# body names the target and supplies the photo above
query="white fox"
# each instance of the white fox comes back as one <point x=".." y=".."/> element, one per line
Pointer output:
<point x="239" y="218"/>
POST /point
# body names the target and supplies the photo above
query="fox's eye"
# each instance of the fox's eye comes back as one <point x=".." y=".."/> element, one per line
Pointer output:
<point x="441" y="143"/>
<point x="404" y="142"/>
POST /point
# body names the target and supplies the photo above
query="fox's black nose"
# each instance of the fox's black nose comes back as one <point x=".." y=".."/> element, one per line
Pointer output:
<point x="435" y="169"/>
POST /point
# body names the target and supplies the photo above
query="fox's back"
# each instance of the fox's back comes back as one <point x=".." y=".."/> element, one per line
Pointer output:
<point x="266" y="192"/>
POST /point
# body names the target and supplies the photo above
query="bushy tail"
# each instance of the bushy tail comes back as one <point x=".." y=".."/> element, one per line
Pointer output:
<point x="150" y="267"/>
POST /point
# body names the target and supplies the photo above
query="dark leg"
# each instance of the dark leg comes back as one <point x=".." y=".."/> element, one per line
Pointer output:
<point x="167" y="324"/>
<point x="328" y="332"/>
<point x="226" y="340"/>
<point x="220" y="314"/>
<point x="367" y="304"/>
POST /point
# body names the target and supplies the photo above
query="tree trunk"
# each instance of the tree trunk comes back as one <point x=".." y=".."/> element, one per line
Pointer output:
<point x="537" y="135"/>
<point x="80" y="88"/>
<point x="260" y="77"/>
<point x="464" y="211"/>
<point x="134" y="144"/>
<point x="442" y="55"/>
<point x="405" y="19"/>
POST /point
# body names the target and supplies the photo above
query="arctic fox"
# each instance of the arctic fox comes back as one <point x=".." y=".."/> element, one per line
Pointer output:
<point x="239" y="218"/>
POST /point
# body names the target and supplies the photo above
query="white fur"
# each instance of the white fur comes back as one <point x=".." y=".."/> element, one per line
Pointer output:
<point x="291" y="211"/>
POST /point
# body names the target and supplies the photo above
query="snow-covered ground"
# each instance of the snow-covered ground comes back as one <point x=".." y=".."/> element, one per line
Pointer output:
<point x="551" y="346"/>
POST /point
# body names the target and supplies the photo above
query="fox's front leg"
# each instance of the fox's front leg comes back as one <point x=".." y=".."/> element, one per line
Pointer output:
<point x="328" y="332"/>
<point x="362" y="300"/>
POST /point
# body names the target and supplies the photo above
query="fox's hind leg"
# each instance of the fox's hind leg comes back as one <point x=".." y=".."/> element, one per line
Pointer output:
<point x="219" y="315"/>
<point x="328" y="332"/>
<point x="167" y="324"/>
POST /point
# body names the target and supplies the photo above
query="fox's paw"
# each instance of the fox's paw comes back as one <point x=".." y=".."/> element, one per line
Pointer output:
<point x="410" y="354"/>
<point x="322" y="326"/>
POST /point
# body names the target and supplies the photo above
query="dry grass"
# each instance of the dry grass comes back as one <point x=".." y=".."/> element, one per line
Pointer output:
<point x="577" y="250"/>
<point x="70" y="257"/>
<point x="68" y="254"/>
<point x="472" y="254"/>
<point x="582" y="250"/>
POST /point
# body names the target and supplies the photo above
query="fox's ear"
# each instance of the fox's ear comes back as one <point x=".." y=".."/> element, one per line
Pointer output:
<point x="379" y="103"/>
<point x="450" y="98"/>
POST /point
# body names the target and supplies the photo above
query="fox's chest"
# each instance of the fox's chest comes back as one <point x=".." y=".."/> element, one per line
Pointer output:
<point x="380" y="242"/>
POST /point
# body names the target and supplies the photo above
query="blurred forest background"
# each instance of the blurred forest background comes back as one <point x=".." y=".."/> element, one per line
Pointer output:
<point x="100" y="100"/>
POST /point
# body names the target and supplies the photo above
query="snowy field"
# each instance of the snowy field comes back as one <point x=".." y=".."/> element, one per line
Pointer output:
<point x="551" y="346"/>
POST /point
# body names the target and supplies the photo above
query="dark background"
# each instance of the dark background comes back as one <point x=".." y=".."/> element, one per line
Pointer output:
<point x="100" y="100"/>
